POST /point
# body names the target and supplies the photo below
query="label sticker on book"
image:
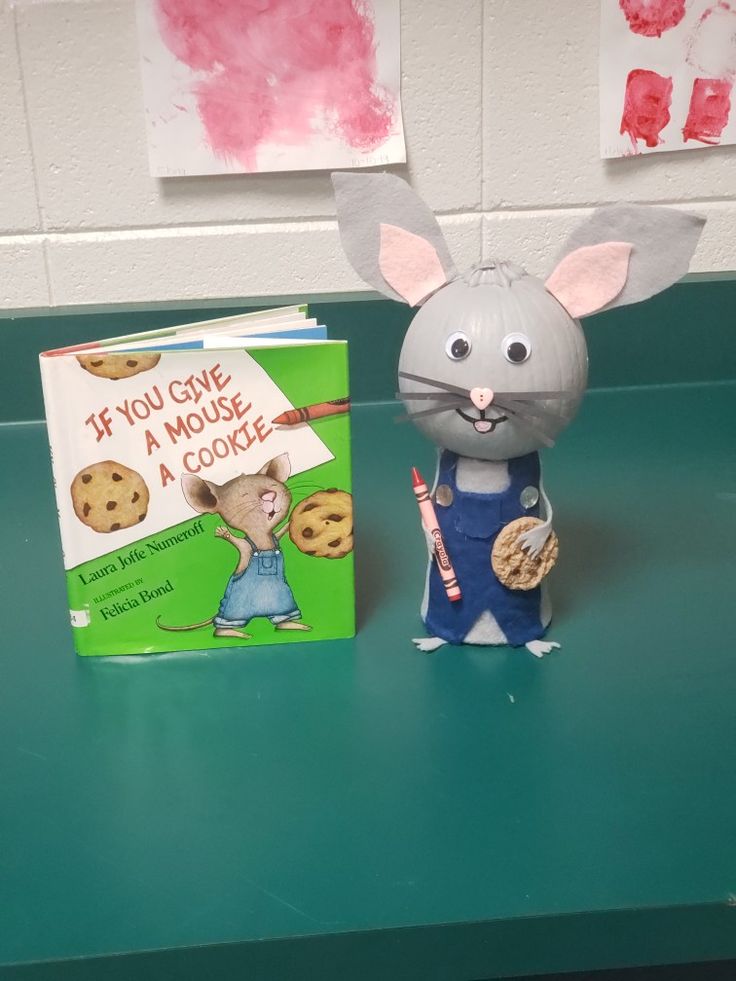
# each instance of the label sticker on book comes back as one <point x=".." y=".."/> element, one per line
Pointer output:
<point x="79" y="618"/>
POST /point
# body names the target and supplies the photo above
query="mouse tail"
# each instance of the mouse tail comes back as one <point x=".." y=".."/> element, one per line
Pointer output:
<point x="189" y="626"/>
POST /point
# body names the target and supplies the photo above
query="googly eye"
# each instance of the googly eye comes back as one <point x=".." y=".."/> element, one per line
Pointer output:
<point x="516" y="348"/>
<point x="457" y="346"/>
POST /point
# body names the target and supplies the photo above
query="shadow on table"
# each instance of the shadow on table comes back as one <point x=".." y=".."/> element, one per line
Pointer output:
<point x="374" y="575"/>
<point x="595" y="556"/>
<point x="718" y="971"/>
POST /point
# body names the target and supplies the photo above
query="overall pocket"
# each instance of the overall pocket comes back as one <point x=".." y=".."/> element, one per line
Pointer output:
<point x="477" y="518"/>
<point x="268" y="564"/>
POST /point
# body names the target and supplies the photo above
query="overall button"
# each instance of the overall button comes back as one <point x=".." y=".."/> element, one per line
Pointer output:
<point x="529" y="497"/>
<point x="443" y="495"/>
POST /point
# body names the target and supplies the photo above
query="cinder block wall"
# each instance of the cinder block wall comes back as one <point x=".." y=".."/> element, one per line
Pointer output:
<point x="501" y="114"/>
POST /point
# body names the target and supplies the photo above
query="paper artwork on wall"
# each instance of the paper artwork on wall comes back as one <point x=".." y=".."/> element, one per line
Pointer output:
<point x="667" y="70"/>
<point x="247" y="86"/>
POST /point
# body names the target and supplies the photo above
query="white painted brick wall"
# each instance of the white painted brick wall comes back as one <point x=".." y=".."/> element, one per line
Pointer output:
<point x="501" y="116"/>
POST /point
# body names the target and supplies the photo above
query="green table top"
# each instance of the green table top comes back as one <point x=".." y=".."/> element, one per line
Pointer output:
<point x="356" y="809"/>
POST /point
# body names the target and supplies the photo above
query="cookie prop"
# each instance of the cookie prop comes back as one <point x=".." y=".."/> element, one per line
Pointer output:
<point x="108" y="496"/>
<point x="115" y="366"/>
<point x="322" y="524"/>
<point x="513" y="566"/>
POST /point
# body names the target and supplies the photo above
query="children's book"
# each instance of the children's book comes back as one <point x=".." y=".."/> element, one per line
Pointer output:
<point x="203" y="485"/>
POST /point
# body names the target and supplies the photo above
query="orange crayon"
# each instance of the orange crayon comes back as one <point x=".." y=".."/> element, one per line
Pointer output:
<point x="292" y="417"/>
<point x="432" y="525"/>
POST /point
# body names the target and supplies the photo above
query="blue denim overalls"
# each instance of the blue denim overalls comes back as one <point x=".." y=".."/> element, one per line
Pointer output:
<point x="261" y="590"/>
<point x="469" y="526"/>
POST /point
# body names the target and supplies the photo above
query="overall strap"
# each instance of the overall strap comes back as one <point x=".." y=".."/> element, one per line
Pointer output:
<point x="446" y="472"/>
<point x="525" y="469"/>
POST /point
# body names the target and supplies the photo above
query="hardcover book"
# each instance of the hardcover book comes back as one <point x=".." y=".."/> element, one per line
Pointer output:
<point x="203" y="485"/>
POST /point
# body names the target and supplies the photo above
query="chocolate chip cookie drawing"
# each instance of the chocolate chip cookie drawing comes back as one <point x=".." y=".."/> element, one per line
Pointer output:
<point x="322" y="524"/>
<point x="116" y="366"/>
<point x="109" y="496"/>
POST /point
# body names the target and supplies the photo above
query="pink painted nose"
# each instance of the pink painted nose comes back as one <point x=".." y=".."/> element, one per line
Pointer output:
<point x="268" y="496"/>
<point x="481" y="397"/>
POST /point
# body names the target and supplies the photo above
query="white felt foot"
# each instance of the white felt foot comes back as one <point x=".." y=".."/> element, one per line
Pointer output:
<point x="428" y="644"/>
<point x="541" y="647"/>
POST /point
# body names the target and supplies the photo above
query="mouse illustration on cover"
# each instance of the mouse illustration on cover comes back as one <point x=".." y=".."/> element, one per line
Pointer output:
<point x="254" y="504"/>
<point x="257" y="506"/>
<point x="492" y="369"/>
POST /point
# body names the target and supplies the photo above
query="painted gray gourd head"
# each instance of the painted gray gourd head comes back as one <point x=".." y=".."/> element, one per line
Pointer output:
<point x="494" y="364"/>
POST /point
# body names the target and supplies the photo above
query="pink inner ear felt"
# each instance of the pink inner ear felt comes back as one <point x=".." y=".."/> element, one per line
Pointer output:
<point x="409" y="264"/>
<point x="590" y="277"/>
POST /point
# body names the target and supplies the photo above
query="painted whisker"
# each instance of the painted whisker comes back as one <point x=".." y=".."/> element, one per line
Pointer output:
<point x="533" y="410"/>
<point x="531" y="426"/>
<point x="435" y="383"/>
<point x="445" y="407"/>
<point x="532" y="396"/>
<point x="438" y="396"/>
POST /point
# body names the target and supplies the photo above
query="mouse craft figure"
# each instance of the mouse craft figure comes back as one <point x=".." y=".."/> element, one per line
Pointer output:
<point x="492" y="369"/>
<point x="255" y="505"/>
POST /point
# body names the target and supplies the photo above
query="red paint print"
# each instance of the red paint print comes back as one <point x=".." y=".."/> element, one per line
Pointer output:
<point x="652" y="17"/>
<point x="279" y="71"/>
<point x="646" y="106"/>
<point x="710" y="106"/>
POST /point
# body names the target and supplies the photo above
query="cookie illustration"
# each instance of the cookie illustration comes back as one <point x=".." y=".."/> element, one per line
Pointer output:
<point x="116" y="366"/>
<point x="322" y="524"/>
<point x="513" y="566"/>
<point x="108" y="496"/>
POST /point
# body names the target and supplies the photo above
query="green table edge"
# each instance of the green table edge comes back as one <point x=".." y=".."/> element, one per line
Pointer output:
<point x="493" y="949"/>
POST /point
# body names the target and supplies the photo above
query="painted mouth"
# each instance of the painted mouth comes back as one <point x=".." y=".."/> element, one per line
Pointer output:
<point x="482" y="424"/>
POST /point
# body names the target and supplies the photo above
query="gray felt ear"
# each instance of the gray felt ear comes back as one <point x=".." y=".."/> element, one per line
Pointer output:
<point x="364" y="203"/>
<point x="663" y="240"/>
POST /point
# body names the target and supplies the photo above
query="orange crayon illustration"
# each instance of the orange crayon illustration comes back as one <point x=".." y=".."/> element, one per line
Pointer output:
<point x="307" y="413"/>
<point x="432" y="525"/>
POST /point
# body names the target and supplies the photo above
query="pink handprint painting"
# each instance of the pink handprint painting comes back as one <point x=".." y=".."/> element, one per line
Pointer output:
<point x="666" y="75"/>
<point x="247" y="86"/>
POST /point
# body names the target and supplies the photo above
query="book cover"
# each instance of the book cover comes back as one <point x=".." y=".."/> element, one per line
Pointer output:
<point x="198" y="507"/>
